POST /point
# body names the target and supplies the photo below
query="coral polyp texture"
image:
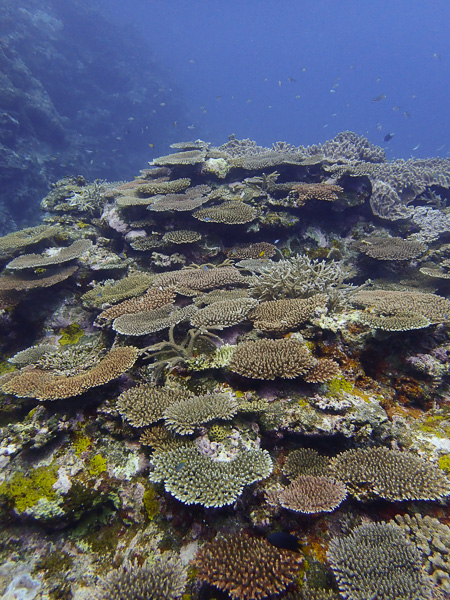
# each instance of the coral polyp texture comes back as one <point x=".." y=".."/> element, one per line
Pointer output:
<point x="44" y="386"/>
<point x="246" y="567"/>
<point x="377" y="561"/>
<point x="268" y="359"/>
<point x="194" y="478"/>
<point x="390" y="474"/>
<point x="240" y="343"/>
<point x="162" y="579"/>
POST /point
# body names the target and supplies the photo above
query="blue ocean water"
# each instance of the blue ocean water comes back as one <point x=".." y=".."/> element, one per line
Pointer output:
<point x="302" y="71"/>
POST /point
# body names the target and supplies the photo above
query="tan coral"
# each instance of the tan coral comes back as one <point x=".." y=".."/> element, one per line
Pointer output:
<point x="268" y="359"/>
<point x="391" y="248"/>
<point x="305" y="461"/>
<point x="112" y="292"/>
<point x="163" y="187"/>
<point x="248" y="568"/>
<point x="311" y="494"/>
<point x="302" y="192"/>
<point x="150" y="321"/>
<point x="222" y="314"/>
<point x="156" y="298"/>
<point x="29" y="281"/>
<point x="145" y="404"/>
<point x="187" y="157"/>
<point x="325" y="369"/>
<point x="257" y="250"/>
<point x="52" y="256"/>
<point x="182" y="236"/>
<point x="200" y="279"/>
<point x="191" y="199"/>
<point x="44" y="386"/>
<point x="229" y="213"/>
<point x="285" y="314"/>
<point x="26" y="237"/>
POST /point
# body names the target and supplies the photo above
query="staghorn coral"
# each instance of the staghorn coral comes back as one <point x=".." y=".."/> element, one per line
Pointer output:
<point x="145" y="404"/>
<point x="391" y="248"/>
<point x="150" y="321"/>
<point x="389" y="474"/>
<point x="29" y="281"/>
<point x="246" y="251"/>
<point x="377" y="561"/>
<point x="185" y="416"/>
<point x="26" y="237"/>
<point x="152" y="300"/>
<point x="285" y="314"/>
<point x="325" y="369"/>
<point x="222" y="314"/>
<point x="45" y="386"/>
<point x="247" y="568"/>
<point x="432" y="538"/>
<point x="52" y="256"/>
<point x="384" y="304"/>
<point x="233" y="212"/>
<point x="268" y="359"/>
<point x="305" y="461"/>
<point x="181" y="236"/>
<point x="111" y="292"/>
<point x="297" y="277"/>
<point x="163" y="578"/>
<point x="187" y="157"/>
<point x="194" y="478"/>
<point x="310" y="494"/>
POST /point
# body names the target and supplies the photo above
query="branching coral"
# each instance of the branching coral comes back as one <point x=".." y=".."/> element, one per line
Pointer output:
<point x="162" y="579"/>
<point x="197" y="479"/>
<point x="389" y="474"/>
<point x="305" y="461"/>
<point x="248" y="568"/>
<point x="45" y="386"/>
<point x="267" y="359"/>
<point x="377" y="561"/>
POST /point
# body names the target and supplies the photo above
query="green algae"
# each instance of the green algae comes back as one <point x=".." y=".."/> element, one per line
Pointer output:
<point x="24" y="490"/>
<point x="81" y="443"/>
<point x="444" y="463"/>
<point x="97" y="465"/>
<point x="150" y="502"/>
<point x="71" y="335"/>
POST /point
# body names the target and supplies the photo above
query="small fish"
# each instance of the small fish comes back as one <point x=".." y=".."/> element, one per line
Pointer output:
<point x="303" y="69"/>
<point x="291" y="80"/>
<point x="191" y="126"/>
<point x="180" y="466"/>
<point x="276" y="241"/>
<point x="297" y="96"/>
<point x="437" y="56"/>
<point x="378" y="79"/>
<point x="440" y="147"/>
<point x="249" y="100"/>
<point x="131" y="118"/>
<point x="280" y="83"/>
<point x="379" y="126"/>
<point x="379" y="98"/>
<point x="218" y="97"/>
<point x="192" y="61"/>
<point x="261" y="254"/>
<point x="175" y="123"/>
<point x="388" y="137"/>
<point x="406" y="115"/>
<point x="287" y="541"/>
<point x="332" y="91"/>
<point x="396" y="108"/>
<point x="205" y="267"/>
<point x="417" y="147"/>
<point x="162" y="104"/>
<point x="152" y="145"/>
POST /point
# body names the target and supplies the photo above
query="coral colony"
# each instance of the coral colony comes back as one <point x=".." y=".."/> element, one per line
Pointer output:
<point x="229" y="377"/>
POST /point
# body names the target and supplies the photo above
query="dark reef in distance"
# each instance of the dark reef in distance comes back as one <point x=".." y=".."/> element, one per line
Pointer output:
<point x="240" y="345"/>
<point x="77" y="95"/>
